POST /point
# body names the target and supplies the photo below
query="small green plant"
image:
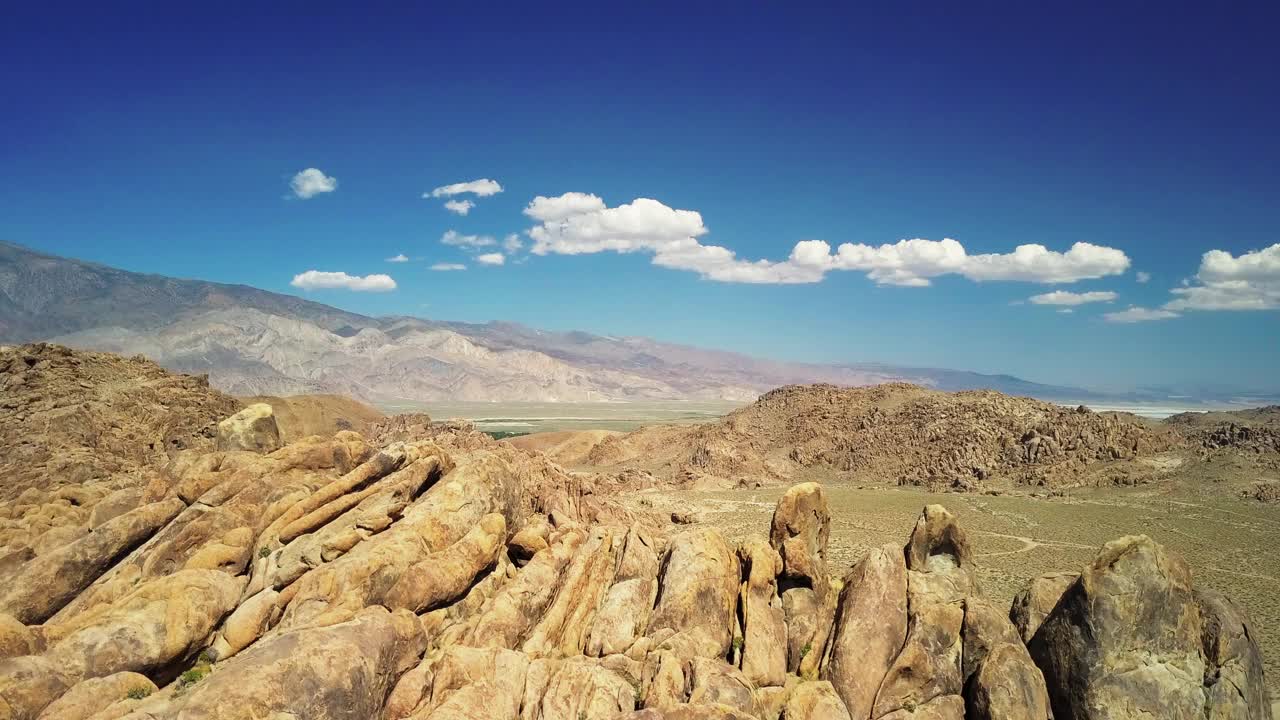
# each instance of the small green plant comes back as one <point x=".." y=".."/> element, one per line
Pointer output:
<point x="909" y="705"/>
<point x="804" y="651"/>
<point x="264" y="552"/>
<point x="138" y="693"/>
<point x="737" y="643"/>
<point x="207" y="657"/>
<point x="191" y="677"/>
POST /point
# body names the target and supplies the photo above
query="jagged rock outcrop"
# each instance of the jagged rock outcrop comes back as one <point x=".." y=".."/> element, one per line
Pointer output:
<point x="454" y="576"/>
<point x="1129" y="639"/>
<point x="799" y="532"/>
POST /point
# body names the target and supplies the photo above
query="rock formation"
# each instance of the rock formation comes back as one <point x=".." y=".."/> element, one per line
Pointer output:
<point x="253" y="429"/>
<point x="449" y="576"/>
<point x="1132" y="637"/>
<point x="904" y="434"/>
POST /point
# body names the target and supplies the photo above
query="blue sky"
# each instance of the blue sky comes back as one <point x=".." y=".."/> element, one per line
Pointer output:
<point x="165" y="140"/>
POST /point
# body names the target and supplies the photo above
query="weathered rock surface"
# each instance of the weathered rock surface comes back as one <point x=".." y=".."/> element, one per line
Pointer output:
<point x="764" y="650"/>
<point x="92" y="696"/>
<point x="1126" y="639"/>
<point x="928" y="665"/>
<point x="340" y="671"/>
<point x="870" y="629"/>
<point x="1034" y="602"/>
<point x="699" y="591"/>
<point x="1234" y="683"/>
<point x="1007" y="686"/>
<point x="253" y="429"/>
<point x="813" y="700"/>
<point x="50" y="581"/>
<point x="17" y="639"/>
<point x="800" y="530"/>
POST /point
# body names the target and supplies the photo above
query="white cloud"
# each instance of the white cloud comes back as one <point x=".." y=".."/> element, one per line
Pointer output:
<point x="316" y="279"/>
<point x="550" y="209"/>
<point x="1063" y="297"/>
<point x="480" y="188"/>
<point x="1137" y="314"/>
<point x="457" y="239"/>
<point x="461" y="207"/>
<point x="1066" y="311"/>
<point x="311" y="182"/>
<point x="579" y="223"/>
<point x="1143" y="277"/>
<point x="491" y="259"/>
<point x="401" y="258"/>
<point x="1036" y="263"/>
<point x="1226" y="282"/>
<point x="445" y="267"/>
<point x="512" y="243"/>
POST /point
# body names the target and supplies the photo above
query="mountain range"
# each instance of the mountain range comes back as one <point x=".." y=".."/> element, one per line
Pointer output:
<point x="254" y="342"/>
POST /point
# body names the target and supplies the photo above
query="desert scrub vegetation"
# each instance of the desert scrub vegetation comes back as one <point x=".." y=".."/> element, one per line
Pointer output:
<point x="192" y="675"/>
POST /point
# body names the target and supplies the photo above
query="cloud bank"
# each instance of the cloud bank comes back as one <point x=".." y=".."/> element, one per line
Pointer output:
<point x="446" y="267"/>
<point x="311" y="182"/>
<point x="317" y="280"/>
<point x="580" y="223"/>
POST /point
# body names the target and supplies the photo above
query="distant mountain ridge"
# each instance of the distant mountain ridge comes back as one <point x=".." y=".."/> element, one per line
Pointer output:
<point x="255" y="342"/>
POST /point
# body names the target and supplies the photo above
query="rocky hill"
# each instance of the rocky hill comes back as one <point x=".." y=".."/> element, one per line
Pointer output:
<point x="895" y="433"/>
<point x="252" y="342"/>
<point x="74" y="418"/>
<point x="1255" y="430"/>
<point x="428" y="572"/>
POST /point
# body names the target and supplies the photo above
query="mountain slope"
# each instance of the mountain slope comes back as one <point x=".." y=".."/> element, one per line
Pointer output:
<point x="44" y="295"/>
<point x="253" y="342"/>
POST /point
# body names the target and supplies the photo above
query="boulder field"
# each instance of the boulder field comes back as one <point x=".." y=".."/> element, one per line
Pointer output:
<point x="454" y="577"/>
